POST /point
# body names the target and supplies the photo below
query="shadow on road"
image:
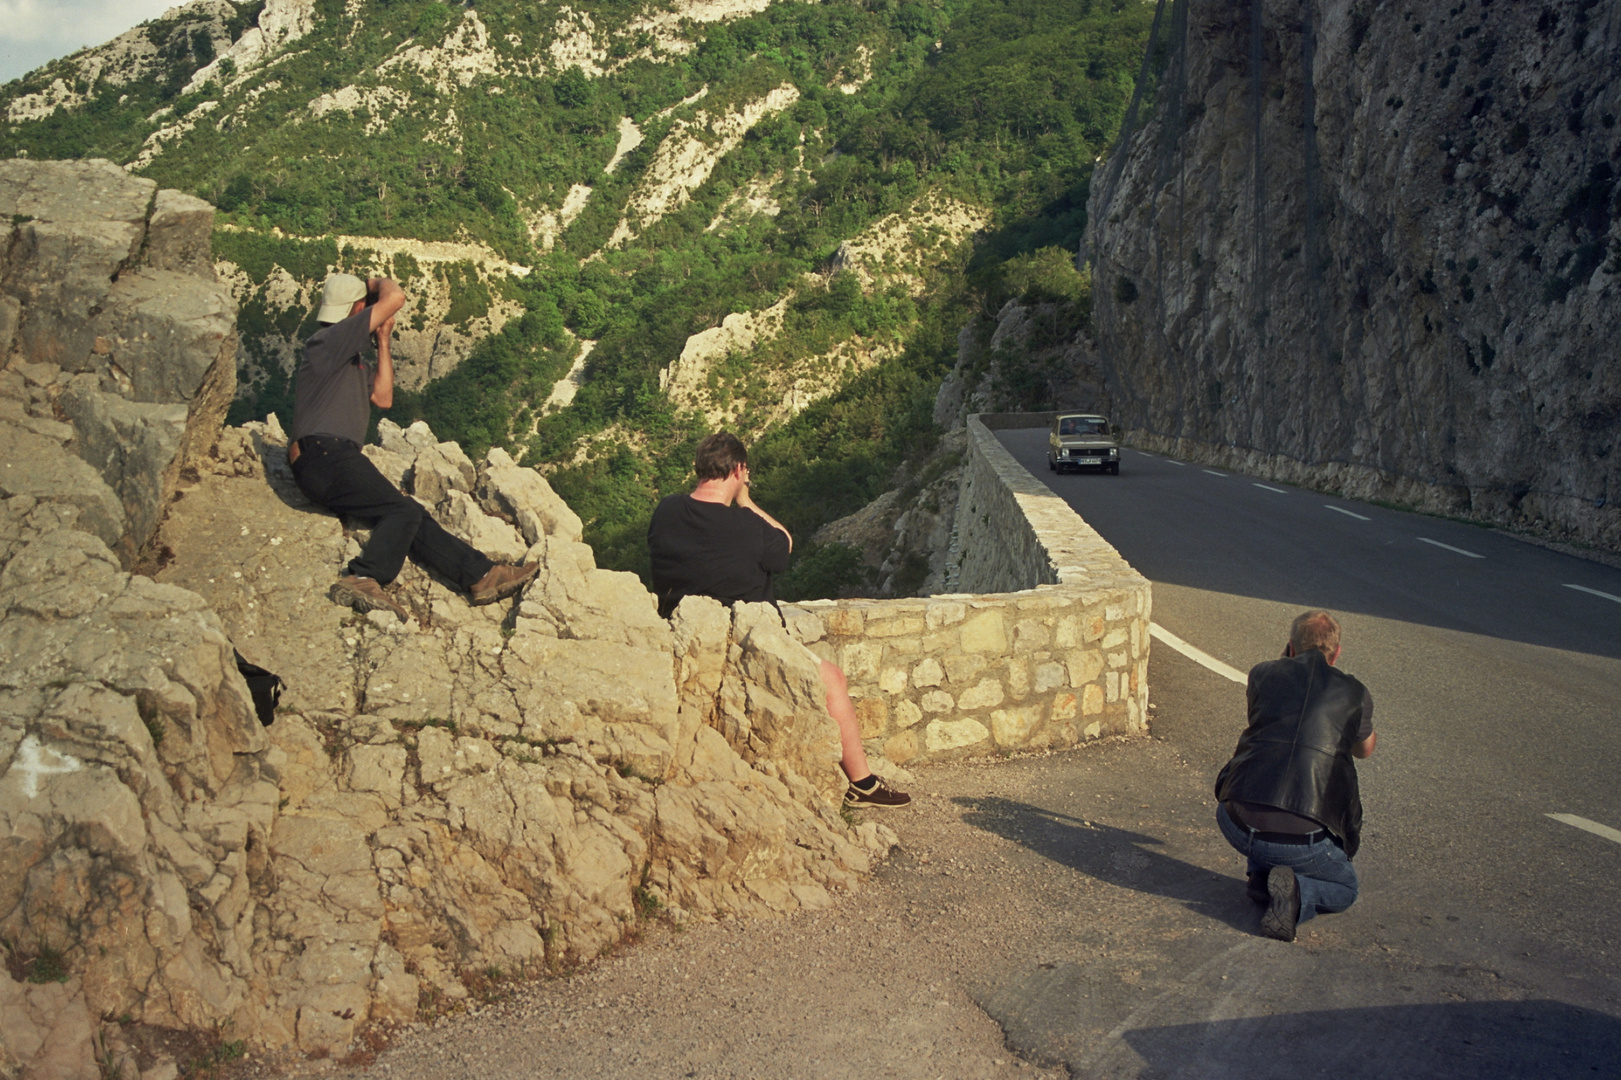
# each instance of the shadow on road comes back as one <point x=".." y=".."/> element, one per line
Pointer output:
<point x="1117" y="856"/>
<point x="1501" y="1040"/>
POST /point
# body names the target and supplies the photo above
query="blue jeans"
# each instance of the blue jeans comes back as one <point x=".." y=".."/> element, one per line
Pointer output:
<point x="1327" y="879"/>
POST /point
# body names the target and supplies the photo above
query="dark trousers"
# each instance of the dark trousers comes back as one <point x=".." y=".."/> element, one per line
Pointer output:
<point x="333" y="473"/>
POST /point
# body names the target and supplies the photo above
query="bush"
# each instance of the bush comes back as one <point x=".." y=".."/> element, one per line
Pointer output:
<point x="824" y="572"/>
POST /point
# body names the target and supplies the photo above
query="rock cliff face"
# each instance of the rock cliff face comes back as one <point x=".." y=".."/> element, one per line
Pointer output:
<point x="509" y="787"/>
<point x="120" y="342"/>
<point x="1373" y="247"/>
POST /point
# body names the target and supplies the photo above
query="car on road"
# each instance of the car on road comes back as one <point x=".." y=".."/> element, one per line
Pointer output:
<point x="1082" y="441"/>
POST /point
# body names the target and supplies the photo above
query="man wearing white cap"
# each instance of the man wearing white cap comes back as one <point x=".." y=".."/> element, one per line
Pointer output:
<point x="332" y="401"/>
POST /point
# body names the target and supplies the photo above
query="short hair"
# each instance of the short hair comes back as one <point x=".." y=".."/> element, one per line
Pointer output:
<point x="1315" y="630"/>
<point x="718" y="455"/>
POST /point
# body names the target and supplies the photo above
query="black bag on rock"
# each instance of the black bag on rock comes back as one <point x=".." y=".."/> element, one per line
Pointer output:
<point x="263" y="685"/>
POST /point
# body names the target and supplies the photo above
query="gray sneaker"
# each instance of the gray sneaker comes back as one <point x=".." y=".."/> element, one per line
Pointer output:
<point x="364" y="594"/>
<point x="1279" y="920"/>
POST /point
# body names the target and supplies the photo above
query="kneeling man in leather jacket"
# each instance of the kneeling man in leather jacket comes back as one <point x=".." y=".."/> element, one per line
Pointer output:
<point x="1288" y="798"/>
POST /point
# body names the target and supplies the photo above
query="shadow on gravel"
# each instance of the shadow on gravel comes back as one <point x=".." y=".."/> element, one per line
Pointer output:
<point x="1117" y="856"/>
<point x="1502" y="1040"/>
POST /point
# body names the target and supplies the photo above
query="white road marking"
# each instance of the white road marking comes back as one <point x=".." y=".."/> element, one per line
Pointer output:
<point x="1595" y="592"/>
<point x="1142" y="453"/>
<point x="1197" y="655"/>
<point x="1168" y="461"/>
<point x="1347" y="513"/>
<point x="1591" y="826"/>
<point x="1265" y="487"/>
<point x="1213" y="472"/>
<point x="1449" y="547"/>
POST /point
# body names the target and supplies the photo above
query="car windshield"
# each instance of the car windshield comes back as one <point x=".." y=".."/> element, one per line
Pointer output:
<point x="1078" y="425"/>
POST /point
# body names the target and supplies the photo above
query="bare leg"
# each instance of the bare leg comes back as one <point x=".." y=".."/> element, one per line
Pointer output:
<point x="843" y="711"/>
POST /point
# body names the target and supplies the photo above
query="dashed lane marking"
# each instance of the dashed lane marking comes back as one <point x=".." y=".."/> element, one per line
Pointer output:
<point x="1213" y="472"/>
<point x="1142" y="453"/>
<point x="1595" y="592"/>
<point x="1168" y="461"/>
<point x="1449" y="547"/>
<point x="1268" y="487"/>
<point x="1197" y="655"/>
<point x="1590" y="826"/>
<point x="1347" y="513"/>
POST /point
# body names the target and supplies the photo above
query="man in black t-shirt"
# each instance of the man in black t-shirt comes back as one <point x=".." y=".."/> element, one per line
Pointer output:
<point x="716" y="541"/>
<point x="1288" y="798"/>
<point x="332" y="400"/>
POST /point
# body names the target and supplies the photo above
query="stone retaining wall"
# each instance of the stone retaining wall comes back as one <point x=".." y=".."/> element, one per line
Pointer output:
<point x="1052" y="651"/>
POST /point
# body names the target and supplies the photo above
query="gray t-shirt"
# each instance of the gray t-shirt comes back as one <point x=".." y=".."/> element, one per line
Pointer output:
<point x="332" y="395"/>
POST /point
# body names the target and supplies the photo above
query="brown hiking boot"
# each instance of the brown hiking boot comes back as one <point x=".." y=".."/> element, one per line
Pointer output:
<point x="501" y="582"/>
<point x="364" y="594"/>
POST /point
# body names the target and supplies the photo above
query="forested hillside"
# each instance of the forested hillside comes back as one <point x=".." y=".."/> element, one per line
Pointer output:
<point x="579" y="195"/>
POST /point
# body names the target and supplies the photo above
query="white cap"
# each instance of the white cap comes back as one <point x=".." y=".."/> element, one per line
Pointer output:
<point x="338" y="295"/>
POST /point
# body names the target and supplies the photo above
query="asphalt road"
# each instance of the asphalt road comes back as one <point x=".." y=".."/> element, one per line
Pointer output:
<point x="1487" y="941"/>
<point x="1084" y="901"/>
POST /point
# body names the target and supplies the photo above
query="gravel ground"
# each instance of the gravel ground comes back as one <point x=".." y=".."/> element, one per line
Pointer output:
<point x="991" y="884"/>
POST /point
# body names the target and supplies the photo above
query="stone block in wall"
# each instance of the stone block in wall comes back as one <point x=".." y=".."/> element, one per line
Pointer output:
<point x="982" y="695"/>
<point x="964" y="668"/>
<point x="902" y="747"/>
<point x="965" y="734"/>
<point x="984" y="632"/>
<point x="1012" y="727"/>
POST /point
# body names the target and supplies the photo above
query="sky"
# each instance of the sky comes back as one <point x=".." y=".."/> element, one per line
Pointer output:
<point x="35" y="31"/>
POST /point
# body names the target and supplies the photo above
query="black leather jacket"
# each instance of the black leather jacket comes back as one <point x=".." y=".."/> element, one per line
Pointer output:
<point x="1296" y="752"/>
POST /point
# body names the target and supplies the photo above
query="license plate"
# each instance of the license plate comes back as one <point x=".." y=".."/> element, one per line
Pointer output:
<point x="1089" y="461"/>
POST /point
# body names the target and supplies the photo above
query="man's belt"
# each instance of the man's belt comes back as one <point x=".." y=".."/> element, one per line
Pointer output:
<point x="1288" y="837"/>
<point x="1312" y="837"/>
<point x="294" y="450"/>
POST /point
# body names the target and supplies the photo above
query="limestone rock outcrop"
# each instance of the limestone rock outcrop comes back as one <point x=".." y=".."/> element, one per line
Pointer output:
<point x="125" y="342"/>
<point x="509" y="787"/>
<point x="1376" y="248"/>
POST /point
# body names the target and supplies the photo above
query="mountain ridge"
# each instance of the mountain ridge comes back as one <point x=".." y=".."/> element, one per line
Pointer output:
<point x="657" y="169"/>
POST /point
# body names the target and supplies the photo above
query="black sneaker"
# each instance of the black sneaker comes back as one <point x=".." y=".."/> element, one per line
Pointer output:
<point x="1280" y="919"/>
<point x="880" y="795"/>
<point x="1255" y="888"/>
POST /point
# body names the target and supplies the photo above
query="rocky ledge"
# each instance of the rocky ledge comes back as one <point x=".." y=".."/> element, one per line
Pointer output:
<point x="507" y="788"/>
